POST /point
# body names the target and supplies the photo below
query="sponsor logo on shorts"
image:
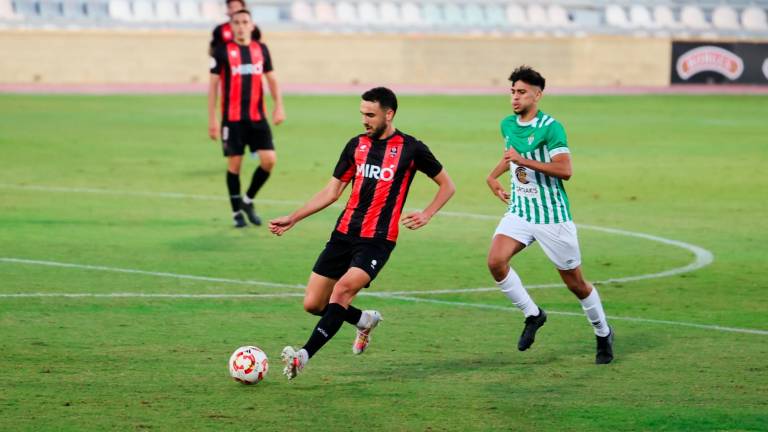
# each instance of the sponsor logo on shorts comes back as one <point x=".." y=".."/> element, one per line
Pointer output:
<point x="373" y="264"/>
<point x="710" y="59"/>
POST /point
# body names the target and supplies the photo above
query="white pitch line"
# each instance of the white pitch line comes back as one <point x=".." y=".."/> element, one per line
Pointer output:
<point x="150" y="295"/>
<point x="613" y="317"/>
<point x="150" y="273"/>
<point x="702" y="257"/>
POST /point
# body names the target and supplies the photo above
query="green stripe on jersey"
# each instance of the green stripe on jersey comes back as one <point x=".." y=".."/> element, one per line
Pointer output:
<point x="535" y="196"/>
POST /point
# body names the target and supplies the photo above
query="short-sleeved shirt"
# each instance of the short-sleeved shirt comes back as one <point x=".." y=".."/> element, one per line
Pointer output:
<point x="535" y="196"/>
<point x="381" y="172"/>
<point x="223" y="34"/>
<point x="241" y="68"/>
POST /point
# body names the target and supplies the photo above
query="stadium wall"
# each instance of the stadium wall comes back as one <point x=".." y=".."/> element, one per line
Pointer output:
<point x="179" y="57"/>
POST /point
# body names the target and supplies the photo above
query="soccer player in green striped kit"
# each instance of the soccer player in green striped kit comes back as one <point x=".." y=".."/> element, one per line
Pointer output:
<point x="537" y="156"/>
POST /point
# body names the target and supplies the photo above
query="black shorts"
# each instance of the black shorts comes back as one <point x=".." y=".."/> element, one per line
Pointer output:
<point x="342" y="252"/>
<point x="235" y="136"/>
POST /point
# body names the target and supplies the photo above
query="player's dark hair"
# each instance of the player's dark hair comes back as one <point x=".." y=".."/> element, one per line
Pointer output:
<point x="242" y="2"/>
<point x="384" y="96"/>
<point x="242" y="11"/>
<point x="527" y="75"/>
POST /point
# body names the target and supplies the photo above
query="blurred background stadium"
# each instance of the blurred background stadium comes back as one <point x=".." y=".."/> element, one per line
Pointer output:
<point x="442" y="45"/>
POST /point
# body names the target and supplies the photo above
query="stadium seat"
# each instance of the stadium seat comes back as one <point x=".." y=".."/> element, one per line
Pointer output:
<point x="390" y="13"/>
<point x="616" y="17"/>
<point x="516" y="15"/>
<point x="166" y="11"/>
<point x="346" y="13"/>
<point x="50" y="9"/>
<point x="324" y="13"/>
<point x="558" y="16"/>
<point x="97" y="10"/>
<point x="368" y="13"/>
<point x="75" y="11"/>
<point x="640" y="16"/>
<point x="664" y="17"/>
<point x="301" y="12"/>
<point x="537" y="16"/>
<point x="754" y="18"/>
<point x="213" y="11"/>
<point x="120" y="10"/>
<point x="433" y="14"/>
<point x="143" y="10"/>
<point x="495" y="15"/>
<point x="474" y="16"/>
<point x="692" y="17"/>
<point x="6" y="11"/>
<point x="411" y="14"/>
<point x="725" y="18"/>
<point x="189" y="11"/>
<point x="453" y="15"/>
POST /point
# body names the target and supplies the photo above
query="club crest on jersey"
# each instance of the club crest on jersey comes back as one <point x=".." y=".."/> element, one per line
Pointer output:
<point x="227" y="34"/>
<point x="393" y="152"/>
<point x="375" y="172"/>
<point x="530" y="139"/>
<point x="521" y="175"/>
<point x="362" y="147"/>
<point x="233" y="53"/>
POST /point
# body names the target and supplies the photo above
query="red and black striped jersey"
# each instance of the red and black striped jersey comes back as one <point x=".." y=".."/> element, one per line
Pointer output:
<point x="381" y="172"/>
<point x="241" y="68"/>
<point x="223" y="34"/>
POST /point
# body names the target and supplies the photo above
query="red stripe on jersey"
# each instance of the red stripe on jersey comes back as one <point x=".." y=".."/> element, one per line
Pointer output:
<point x="361" y="156"/>
<point x="236" y="82"/>
<point x="393" y="227"/>
<point x="257" y="97"/>
<point x="390" y="161"/>
<point x="226" y="33"/>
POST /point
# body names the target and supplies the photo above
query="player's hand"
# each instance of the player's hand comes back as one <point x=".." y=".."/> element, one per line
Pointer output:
<point x="502" y="195"/>
<point x="415" y="220"/>
<point x="278" y="115"/>
<point x="213" y="130"/>
<point x="511" y="155"/>
<point x="280" y="225"/>
<point x="498" y="190"/>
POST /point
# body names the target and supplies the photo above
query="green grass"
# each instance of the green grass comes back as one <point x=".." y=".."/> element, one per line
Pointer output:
<point x="687" y="168"/>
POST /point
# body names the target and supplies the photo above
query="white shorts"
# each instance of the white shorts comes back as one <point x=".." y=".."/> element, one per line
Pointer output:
<point x="559" y="241"/>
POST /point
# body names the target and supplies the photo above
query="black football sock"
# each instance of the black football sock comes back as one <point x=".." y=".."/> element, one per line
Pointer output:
<point x="233" y="185"/>
<point x="352" y="316"/>
<point x="326" y="328"/>
<point x="260" y="177"/>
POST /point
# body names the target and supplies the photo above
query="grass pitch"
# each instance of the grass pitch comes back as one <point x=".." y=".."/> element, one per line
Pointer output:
<point x="130" y="183"/>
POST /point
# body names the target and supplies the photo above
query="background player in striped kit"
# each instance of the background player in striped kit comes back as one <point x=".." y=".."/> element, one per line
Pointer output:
<point x="537" y="156"/>
<point x="381" y="164"/>
<point x="223" y="33"/>
<point x="239" y="67"/>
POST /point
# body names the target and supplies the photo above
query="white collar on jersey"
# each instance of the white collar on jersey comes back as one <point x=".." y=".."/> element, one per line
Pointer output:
<point x="531" y="122"/>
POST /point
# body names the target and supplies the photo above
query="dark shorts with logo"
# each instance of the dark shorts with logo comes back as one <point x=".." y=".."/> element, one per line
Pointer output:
<point x="236" y="136"/>
<point x="343" y="251"/>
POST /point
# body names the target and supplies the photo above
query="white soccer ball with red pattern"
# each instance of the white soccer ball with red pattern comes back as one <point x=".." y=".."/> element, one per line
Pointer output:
<point x="248" y="365"/>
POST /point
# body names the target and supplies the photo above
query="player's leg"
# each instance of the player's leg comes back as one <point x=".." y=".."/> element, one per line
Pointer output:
<point x="233" y="149"/>
<point x="561" y="245"/>
<point x="317" y="295"/>
<point x="512" y="235"/>
<point x="260" y="141"/>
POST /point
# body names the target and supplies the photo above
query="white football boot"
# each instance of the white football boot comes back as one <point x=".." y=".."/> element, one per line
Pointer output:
<point x="363" y="337"/>
<point x="294" y="361"/>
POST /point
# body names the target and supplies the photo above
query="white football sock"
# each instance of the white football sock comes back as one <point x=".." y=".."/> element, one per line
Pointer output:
<point x="513" y="288"/>
<point x="247" y="199"/>
<point x="595" y="314"/>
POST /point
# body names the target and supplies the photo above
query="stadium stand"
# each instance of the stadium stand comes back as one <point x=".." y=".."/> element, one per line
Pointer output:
<point x="743" y="19"/>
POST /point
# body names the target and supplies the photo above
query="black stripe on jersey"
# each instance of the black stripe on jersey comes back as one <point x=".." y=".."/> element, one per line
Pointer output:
<point x="383" y="224"/>
<point x="367" y="189"/>
<point x="246" y="81"/>
<point x="226" y="76"/>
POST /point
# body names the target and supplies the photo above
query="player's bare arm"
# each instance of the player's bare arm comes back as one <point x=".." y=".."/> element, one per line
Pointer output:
<point x="492" y="180"/>
<point x="213" y="93"/>
<point x="559" y="167"/>
<point x="278" y="113"/>
<point x="418" y="219"/>
<point x="325" y="197"/>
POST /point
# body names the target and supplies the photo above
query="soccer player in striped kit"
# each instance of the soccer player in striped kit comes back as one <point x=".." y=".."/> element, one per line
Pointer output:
<point x="223" y="33"/>
<point x="237" y="69"/>
<point x="537" y="156"/>
<point x="380" y="164"/>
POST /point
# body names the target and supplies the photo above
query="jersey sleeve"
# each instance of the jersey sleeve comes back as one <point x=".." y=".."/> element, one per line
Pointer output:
<point x="216" y="40"/>
<point x="267" y="58"/>
<point x="218" y="60"/>
<point x="557" y="142"/>
<point x="345" y="167"/>
<point x="425" y="161"/>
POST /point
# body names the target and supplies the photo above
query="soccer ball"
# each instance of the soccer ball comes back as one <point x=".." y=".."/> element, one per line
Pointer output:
<point x="248" y="365"/>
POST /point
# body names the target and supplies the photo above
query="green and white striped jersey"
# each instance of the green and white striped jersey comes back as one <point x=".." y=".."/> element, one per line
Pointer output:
<point x="536" y="197"/>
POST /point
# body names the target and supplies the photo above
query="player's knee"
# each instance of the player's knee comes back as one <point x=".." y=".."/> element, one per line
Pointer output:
<point x="344" y="291"/>
<point x="268" y="162"/>
<point x="314" y="307"/>
<point x="497" y="264"/>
